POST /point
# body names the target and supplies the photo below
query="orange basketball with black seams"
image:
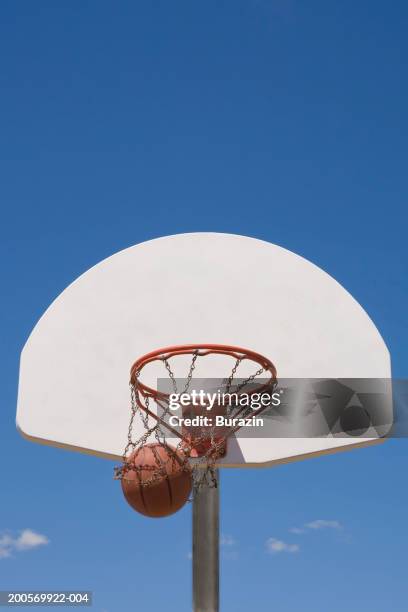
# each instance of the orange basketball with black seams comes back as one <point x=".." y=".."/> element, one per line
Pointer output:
<point x="157" y="481"/>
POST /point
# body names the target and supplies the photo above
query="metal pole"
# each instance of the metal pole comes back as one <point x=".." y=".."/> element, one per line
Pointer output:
<point x="206" y="548"/>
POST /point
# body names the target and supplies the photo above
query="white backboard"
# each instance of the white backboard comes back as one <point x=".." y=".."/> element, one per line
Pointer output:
<point x="188" y="288"/>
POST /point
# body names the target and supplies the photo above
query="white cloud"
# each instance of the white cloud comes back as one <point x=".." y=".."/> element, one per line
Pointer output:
<point x="30" y="539"/>
<point x="296" y="530"/>
<point x="227" y="540"/>
<point x="320" y="524"/>
<point x="5" y="546"/>
<point x="26" y="540"/>
<point x="278" y="546"/>
<point x="315" y="525"/>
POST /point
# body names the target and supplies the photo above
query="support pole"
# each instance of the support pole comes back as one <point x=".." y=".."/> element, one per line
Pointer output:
<point x="206" y="548"/>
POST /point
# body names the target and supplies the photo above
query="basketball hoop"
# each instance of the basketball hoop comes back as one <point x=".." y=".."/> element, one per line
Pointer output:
<point x="201" y="446"/>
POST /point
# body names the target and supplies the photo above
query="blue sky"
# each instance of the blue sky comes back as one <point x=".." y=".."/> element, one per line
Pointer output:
<point x="277" y="119"/>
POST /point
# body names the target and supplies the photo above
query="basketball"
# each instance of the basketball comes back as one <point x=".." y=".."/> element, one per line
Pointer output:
<point x="157" y="481"/>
